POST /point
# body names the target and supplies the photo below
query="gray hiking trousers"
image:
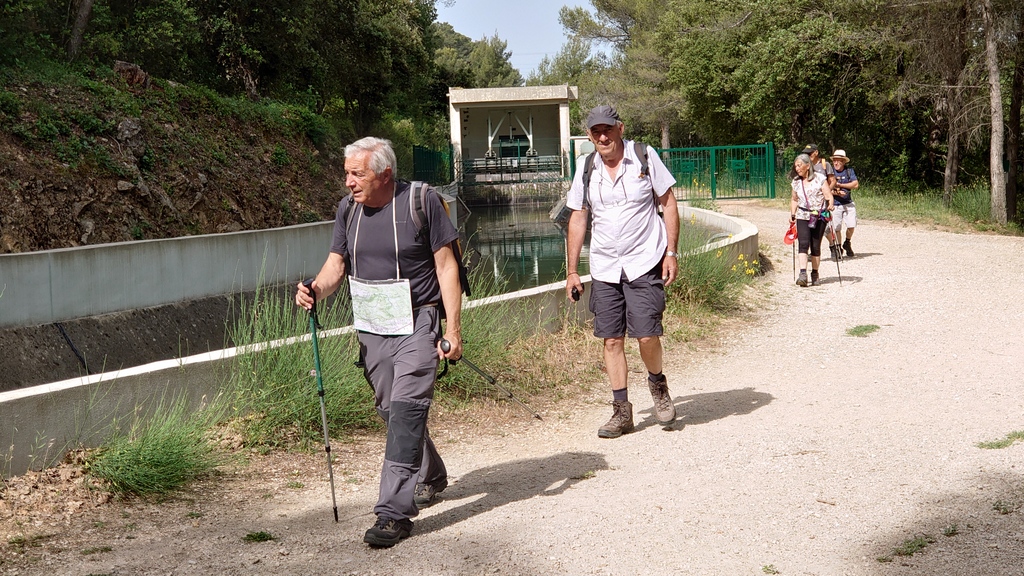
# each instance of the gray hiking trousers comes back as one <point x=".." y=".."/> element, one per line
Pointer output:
<point x="402" y="371"/>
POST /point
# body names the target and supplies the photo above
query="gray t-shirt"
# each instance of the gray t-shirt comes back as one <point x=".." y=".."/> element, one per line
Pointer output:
<point x="375" y="249"/>
<point x="823" y="167"/>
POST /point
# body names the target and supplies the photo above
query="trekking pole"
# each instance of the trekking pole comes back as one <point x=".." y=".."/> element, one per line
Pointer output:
<point x="446" y="346"/>
<point x="790" y="238"/>
<point x="314" y="324"/>
<point x="833" y="242"/>
<point x="794" y="260"/>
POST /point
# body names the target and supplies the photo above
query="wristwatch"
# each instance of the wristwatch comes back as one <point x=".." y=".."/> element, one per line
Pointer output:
<point x="671" y="253"/>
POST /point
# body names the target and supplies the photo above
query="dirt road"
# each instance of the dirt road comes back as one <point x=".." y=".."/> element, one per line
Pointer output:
<point x="800" y="451"/>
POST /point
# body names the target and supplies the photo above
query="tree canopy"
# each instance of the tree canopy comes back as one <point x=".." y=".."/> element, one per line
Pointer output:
<point x="901" y="86"/>
<point x="909" y="89"/>
<point x="366" y="59"/>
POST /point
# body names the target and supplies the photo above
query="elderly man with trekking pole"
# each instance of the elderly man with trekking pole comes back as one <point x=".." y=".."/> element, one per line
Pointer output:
<point x="388" y="257"/>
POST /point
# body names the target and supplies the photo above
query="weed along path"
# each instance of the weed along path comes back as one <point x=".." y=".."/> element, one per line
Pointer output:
<point x="800" y="450"/>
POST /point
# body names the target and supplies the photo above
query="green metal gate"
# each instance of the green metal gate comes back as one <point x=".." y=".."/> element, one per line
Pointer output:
<point x="432" y="166"/>
<point x="721" y="172"/>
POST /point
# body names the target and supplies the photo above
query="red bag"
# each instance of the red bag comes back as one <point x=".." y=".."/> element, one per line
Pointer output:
<point x="790" y="234"/>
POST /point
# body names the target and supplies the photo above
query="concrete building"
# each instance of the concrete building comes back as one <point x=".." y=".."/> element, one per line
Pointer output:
<point x="510" y="134"/>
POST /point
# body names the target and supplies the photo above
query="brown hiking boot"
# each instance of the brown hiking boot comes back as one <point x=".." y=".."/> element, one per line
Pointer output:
<point x="664" y="409"/>
<point x="620" y="423"/>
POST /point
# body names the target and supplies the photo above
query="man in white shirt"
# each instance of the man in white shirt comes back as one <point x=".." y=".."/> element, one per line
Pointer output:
<point x="632" y="257"/>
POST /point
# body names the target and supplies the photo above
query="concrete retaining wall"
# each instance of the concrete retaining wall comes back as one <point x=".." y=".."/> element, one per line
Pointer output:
<point x="39" y="424"/>
<point x="60" y="285"/>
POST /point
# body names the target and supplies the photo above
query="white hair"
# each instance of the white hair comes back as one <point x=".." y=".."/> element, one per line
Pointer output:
<point x="382" y="155"/>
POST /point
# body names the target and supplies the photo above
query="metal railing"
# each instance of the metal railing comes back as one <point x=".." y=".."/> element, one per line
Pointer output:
<point x="707" y="173"/>
<point x="722" y="172"/>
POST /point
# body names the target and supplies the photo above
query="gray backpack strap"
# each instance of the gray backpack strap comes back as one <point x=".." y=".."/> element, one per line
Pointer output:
<point x="641" y="153"/>
<point x="417" y="201"/>
<point x="588" y="170"/>
<point x="350" y="204"/>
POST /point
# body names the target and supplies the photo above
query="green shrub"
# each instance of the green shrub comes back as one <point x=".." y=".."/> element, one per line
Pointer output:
<point x="708" y="279"/>
<point x="280" y="156"/>
<point x="10" y="104"/>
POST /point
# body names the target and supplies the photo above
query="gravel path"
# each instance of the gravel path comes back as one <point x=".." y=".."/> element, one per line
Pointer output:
<point x="800" y="450"/>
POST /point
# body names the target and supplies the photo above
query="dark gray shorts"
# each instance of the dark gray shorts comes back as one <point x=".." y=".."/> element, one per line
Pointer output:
<point x="636" y="306"/>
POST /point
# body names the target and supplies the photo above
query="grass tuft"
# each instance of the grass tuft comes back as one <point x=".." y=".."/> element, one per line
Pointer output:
<point x="275" y="389"/>
<point x="862" y="330"/>
<point x="913" y="545"/>
<point x="1003" y="443"/>
<point x="1004" y="507"/>
<point x="260" y="536"/>
<point x="161" y="452"/>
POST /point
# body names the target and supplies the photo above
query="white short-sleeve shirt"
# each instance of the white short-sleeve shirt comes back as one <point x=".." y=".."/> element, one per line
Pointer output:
<point x="627" y="234"/>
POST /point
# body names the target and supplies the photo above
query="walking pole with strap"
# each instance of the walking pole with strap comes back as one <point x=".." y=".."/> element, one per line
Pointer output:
<point x="790" y="238"/>
<point x="446" y="346"/>
<point x="834" y="243"/>
<point x="314" y="325"/>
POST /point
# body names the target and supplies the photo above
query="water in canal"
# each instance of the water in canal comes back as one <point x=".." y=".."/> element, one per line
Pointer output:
<point x="519" y="244"/>
<point x="522" y="248"/>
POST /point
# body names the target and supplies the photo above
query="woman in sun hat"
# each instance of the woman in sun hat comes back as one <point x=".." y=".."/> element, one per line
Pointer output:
<point x="845" y="212"/>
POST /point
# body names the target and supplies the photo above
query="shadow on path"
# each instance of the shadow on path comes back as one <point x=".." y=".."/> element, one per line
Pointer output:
<point x="708" y="407"/>
<point x="510" y="482"/>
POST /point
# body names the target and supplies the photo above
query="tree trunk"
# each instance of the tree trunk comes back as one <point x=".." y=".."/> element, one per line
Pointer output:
<point x="1013" y="135"/>
<point x="951" y="102"/>
<point x="997" y="175"/>
<point x="665" y="144"/>
<point x="82" y="14"/>
<point x="952" y="167"/>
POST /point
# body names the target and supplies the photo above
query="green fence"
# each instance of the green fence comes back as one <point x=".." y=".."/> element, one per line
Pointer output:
<point x="721" y="172"/>
<point x="433" y="166"/>
<point x="709" y="173"/>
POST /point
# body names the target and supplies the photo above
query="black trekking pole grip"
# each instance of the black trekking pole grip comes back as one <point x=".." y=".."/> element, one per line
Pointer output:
<point x="308" y="283"/>
<point x="446" y="346"/>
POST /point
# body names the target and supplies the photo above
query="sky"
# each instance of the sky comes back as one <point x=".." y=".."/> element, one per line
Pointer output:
<point x="530" y="27"/>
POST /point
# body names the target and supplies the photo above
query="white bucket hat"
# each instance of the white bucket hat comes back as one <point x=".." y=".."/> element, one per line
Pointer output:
<point x="840" y="153"/>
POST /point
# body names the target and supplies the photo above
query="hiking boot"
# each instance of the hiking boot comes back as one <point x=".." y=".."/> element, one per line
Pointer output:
<point x="814" y="277"/>
<point x="802" y="279"/>
<point x="426" y="494"/>
<point x="387" y="532"/>
<point x="664" y="409"/>
<point x="846" y="246"/>
<point x="620" y="423"/>
<point x="834" y="251"/>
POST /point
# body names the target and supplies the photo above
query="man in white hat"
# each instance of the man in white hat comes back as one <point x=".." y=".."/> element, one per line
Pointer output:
<point x="845" y="212"/>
